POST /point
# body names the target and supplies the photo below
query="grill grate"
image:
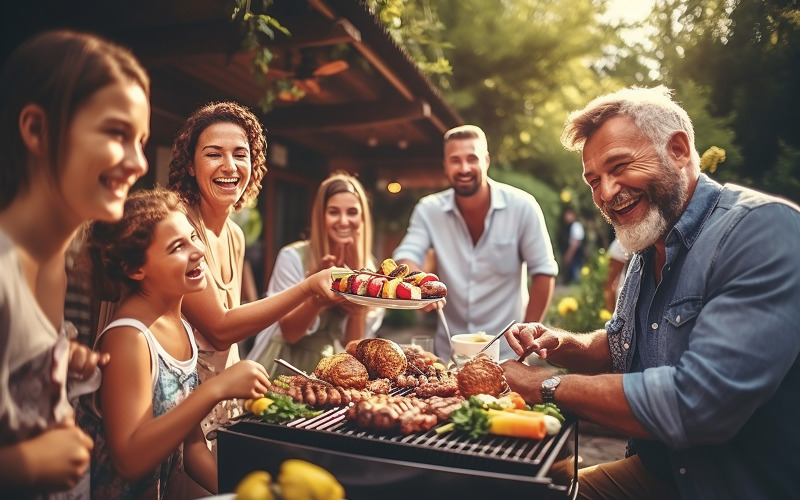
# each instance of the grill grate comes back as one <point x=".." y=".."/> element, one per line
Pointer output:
<point x="454" y="448"/>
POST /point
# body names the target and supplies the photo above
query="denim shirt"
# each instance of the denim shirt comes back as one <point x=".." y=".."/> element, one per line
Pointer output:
<point x="713" y="372"/>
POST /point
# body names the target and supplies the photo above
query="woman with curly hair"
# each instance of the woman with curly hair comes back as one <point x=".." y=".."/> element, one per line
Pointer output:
<point x="218" y="161"/>
<point x="341" y="234"/>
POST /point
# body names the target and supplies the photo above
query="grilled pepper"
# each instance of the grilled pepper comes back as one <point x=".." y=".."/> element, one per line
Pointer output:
<point x="255" y="486"/>
<point x="517" y="424"/>
<point x="301" y="480"/>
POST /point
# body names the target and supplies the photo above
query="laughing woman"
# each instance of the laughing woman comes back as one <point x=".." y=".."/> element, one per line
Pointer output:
<point x="341" y="235"/>
<point x="218" y="161"/>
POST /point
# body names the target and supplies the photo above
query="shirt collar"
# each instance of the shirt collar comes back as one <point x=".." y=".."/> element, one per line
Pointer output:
<point x="704" y="200"/>
<point x="498" y="197"/>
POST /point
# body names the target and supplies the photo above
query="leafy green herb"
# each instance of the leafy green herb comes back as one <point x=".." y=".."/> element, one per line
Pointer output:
<point x="284" y="409"/>
<point x="470" y="418"/>
<point x="549" y="409"/>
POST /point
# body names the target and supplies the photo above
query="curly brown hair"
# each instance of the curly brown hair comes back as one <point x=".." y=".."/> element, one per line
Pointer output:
<point x="183" y="149"/>
<point x="115" y="248"/>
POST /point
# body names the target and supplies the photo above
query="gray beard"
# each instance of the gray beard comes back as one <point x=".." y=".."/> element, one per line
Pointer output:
<point x="636" y="237"/>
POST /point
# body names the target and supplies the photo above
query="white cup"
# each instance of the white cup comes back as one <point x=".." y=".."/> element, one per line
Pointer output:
<point x="467" y="345"/>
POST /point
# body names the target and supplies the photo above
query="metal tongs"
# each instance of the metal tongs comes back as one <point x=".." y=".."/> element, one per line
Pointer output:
<point x="300" y="372"/>
<point x="504" y="330"/>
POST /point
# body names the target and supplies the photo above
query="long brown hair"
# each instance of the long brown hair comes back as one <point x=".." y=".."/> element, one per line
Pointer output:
<point x="59" y="71"/>
<point x="338" y="182"/>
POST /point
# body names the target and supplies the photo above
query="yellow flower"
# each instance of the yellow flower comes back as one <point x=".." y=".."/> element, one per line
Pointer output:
<point x="585" y="271"/>
<point x="605" y="315"/>
<point x="566" y="196"/>
<point x="711" y="158"/>
<point x="567" y="305"/>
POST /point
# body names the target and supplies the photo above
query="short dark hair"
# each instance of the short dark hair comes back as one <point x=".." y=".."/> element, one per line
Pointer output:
<point x="59" y="71"/>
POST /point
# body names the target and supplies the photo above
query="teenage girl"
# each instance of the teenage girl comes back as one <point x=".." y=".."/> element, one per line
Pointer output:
<point x="75" y="118"/>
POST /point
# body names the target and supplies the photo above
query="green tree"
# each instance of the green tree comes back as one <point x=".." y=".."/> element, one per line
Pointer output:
<point x="743" y="54"/>
<point x="518" y="68"/>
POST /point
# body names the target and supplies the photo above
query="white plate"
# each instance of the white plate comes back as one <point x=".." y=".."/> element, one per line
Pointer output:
<point x="226" y="496"/>
<point x="363" y="300"/>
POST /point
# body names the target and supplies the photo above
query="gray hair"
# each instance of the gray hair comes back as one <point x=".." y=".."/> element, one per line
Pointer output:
<point x="653" y="111"/>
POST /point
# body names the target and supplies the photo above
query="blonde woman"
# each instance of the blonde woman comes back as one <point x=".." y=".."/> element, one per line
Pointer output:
<point x="341" y="235"/>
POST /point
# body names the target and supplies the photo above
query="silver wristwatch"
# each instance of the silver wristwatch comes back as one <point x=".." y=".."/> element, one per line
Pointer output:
<point x="549" y="388"/>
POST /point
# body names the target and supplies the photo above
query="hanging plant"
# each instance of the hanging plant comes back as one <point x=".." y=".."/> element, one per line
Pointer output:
<point x="254" y="28"/>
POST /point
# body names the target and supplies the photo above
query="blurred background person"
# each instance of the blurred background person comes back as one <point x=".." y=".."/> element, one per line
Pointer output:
<point x="341" y="235"/>
<point x="573" y="254"/>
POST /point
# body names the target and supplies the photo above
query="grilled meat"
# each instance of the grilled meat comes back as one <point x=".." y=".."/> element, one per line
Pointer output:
<point x="317" y="395"/>
<point x="379" y="386"/>
<point x="342" y="369"/>
<point x="402" y="413"/>
<point x="481" y="375"/>
<point x="383" y="358"/>
<point x="444" y="385"/>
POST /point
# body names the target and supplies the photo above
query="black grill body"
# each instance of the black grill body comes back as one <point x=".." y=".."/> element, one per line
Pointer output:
<point x="386" y="466"/>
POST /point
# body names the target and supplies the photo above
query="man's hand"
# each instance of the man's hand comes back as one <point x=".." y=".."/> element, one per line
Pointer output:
<point x="526" y="380"/>
<point x="433" y="306"/>
<point x="529" y="338"/>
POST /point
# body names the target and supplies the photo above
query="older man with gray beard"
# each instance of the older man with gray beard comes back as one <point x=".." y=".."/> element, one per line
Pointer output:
<point x="699" y="364"/>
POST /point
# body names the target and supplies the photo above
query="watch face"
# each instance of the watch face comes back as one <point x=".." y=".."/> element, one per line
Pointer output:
<point x="551" y="383"/>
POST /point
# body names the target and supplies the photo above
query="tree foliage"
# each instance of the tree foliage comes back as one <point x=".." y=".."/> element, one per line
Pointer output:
<point x="518" y="68"/>
<point x="743" y="55"/>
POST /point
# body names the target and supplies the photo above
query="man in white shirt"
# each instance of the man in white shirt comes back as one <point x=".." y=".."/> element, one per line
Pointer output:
<point x="488" y="238"/>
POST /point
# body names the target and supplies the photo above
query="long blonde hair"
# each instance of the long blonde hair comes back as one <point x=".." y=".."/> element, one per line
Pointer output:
<point x="319" y="246"/>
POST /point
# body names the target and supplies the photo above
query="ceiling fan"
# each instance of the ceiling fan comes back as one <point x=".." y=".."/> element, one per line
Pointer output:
<point x="307" y="73"/>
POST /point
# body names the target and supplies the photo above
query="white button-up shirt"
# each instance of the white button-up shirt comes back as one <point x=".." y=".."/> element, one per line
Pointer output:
<point x="487" y="282"/>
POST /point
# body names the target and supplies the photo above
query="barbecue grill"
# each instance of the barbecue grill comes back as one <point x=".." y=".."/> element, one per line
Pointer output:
<point x="389" y="465"/>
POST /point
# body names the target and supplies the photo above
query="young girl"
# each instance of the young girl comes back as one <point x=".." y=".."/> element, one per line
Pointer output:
<point x="147" y="422"/>
<point x="75" y="118"/>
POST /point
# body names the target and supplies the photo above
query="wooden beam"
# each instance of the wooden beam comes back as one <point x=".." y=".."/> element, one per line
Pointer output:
<point x="163" y="45"/>
<point x="340" y="116"/>
<point x="307" y="32"/>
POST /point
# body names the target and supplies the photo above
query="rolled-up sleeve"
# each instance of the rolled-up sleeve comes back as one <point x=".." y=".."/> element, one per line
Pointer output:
<point x="744" y="340"/>
<point x="417" y="239"/>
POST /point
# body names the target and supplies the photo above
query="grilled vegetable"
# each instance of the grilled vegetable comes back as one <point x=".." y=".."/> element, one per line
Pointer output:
<point x="482" y="415"/>
<point x="255" y="486"/>
<point x="549" y="409"/>
<point x="283" y="409"/>
<point x="301" y="480"/>
<point x="517" y="424"/>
